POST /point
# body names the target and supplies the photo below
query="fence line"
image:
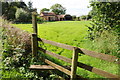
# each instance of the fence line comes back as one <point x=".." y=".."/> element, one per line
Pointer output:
<point x="74" y="61"/>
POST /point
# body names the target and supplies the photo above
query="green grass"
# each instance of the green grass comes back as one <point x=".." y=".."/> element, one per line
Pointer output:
<point x="72" y="33"/>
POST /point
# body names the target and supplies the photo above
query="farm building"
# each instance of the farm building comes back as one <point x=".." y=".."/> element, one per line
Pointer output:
<point x="50" y="16"/>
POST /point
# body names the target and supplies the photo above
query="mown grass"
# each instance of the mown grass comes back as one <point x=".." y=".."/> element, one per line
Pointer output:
<point x="72" y="33"/>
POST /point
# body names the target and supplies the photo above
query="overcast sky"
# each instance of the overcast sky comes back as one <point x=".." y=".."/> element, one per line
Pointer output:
<point x="74" y="7"/>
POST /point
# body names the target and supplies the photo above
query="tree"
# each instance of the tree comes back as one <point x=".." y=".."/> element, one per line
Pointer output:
<point x="30" y="6"/>
<point x="74" y="17"/>
<point x="44" y="10"/>
<point x="22" y="15"/>
<point x="9" y="9"/>
<point x="83" y="17"/>
<point x="105" y="16"/>
<point x="58" y="9"/>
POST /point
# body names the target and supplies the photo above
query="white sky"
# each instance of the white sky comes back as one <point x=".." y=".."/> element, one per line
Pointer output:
<point x="74" y="7"/>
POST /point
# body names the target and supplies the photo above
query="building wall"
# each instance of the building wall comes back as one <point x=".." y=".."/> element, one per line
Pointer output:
<point x="49" y="18"/>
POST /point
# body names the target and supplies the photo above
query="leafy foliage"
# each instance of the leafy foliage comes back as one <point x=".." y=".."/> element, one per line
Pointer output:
<point x="105" y="16"/>
<point x="22" y="15"/>
<point x="19" y="10"/>
<point x="9" y="9"/>
<point x="58" y="9"/>
<point x="44" y="10"/>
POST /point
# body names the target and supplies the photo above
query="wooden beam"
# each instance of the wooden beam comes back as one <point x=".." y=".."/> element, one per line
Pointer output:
<point x="57" y="66"/>
<point x="41" y="67"/>
<point x="97" y="71"/>
<point x="74" y="63"/>
<point x="34" y="22"/>
<point x="81" y="65"/>
<point x="56" y="44"/>
<point x="102" y="56"/>
<point x="34" y="44"/>
<point x="60" y="68"/>
<point x="56" y="55"/>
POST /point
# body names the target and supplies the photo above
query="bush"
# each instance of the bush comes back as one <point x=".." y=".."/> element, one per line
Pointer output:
<point x="22" y="15"/>
<point x="17" y="57"/>
<point x="83" y="17"/>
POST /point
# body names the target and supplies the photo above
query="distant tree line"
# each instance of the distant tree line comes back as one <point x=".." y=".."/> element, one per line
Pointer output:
<point x="17" y="11"/>
<point x="58" y="9"/>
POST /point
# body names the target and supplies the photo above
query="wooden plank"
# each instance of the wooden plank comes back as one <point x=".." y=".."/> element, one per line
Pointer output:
<point x="34" y="44"/>
<point x="57" y="66"/>
<point x="56" y="44"/>
<point x="74" y="63"/>
<point x="56" y="55"/>
<point x="81" y="65"/>
<point x="102" y="56"/>
<point x="60" y="68"/>
<point x="41" y="67"/>
<point x="34" y="22"/>
<point x="97" y="71"/>
<point x="83" y="51"/>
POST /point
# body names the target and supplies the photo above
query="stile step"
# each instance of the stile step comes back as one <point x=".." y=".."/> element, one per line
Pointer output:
<point x="41" y="67"/>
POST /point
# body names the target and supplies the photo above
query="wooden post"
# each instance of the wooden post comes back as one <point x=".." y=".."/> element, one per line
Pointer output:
<point x="74" y="63"/>
<point x="34" y="22"/>
<point x="34" y="44"/>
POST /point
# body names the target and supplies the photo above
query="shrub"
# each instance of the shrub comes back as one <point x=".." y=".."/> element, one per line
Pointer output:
<point x="17" y="56"/>
<point x="40" y="19"/>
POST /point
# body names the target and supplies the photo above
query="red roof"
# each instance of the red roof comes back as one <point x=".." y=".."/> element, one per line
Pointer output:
<point x="47" y="14"/>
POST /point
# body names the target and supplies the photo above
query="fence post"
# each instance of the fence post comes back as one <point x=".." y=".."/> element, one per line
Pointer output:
<point x="74" y="63"/>
<point x="34" y="35"/>
<point x="34" y="22"/>
<point x="34" y="44"/>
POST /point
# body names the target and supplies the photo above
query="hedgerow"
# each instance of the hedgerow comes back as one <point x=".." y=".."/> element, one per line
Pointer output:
<point x="16" y="55"/>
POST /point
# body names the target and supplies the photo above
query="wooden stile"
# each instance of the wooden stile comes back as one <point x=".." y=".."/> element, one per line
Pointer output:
<point x="102" y="56"/>
<point x="56" y="44"/>
<point x="74" y="63"/>
<point x="34" y="44"/>
<point x="74" y="59"/>
<point x="34" y="22"/>
<point x="81" y="65"/>
<point x="56" y="55"/>
<point x="41" y="67"/>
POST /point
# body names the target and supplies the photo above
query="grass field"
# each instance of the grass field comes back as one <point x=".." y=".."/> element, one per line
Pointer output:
<point x="72" y="33"/>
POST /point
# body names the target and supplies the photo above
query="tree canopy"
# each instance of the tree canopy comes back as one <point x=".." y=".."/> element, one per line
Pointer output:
<point x="11" y="9"/>
<point x="58" y="9"/>
<point x="44" y="10"/>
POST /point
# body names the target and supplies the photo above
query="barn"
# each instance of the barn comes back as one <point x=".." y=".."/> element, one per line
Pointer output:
<point x="50" y="16"/>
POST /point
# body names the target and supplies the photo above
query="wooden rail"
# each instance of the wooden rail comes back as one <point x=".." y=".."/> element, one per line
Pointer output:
<point x="83" y="51"/>
<point x="74" y="61"/>
<point x="79" y="64"/>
